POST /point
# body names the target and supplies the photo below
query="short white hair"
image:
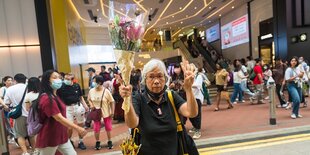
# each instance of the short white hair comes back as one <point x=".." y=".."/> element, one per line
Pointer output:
<point x="152" y="64"/>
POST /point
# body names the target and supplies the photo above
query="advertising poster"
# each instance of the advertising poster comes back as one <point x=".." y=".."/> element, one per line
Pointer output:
<point x="213" y="33"/>
<point x="235" y="32"/>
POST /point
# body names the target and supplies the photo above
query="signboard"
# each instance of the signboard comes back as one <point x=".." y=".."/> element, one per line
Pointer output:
<point x="235" y="32"/>
<point x="213" y="33"/>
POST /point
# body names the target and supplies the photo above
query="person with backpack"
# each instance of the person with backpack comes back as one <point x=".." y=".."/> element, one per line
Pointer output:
<point x="14" y="97"/>
<point x="102" y="104"/>
<point x="71" y="94"/>
<point x="53" y="135"/>
<point x="33" y="94"/>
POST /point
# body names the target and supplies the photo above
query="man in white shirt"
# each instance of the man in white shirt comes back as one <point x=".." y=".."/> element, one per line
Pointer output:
<point x="8" y="81"/>
<point x="13" y="96"/>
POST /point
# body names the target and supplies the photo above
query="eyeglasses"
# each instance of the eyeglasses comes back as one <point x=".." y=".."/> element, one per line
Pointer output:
<point x="153" y="77"/>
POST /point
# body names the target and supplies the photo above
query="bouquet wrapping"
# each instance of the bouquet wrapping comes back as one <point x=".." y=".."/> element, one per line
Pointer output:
<point x="126" y="28"/>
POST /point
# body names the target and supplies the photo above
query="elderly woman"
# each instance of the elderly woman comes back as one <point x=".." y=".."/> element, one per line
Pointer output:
<point x="152" y="111"/>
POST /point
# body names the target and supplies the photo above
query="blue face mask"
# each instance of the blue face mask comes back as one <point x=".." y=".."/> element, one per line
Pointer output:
<point x="94" y="84"/>
<point x="56" y="84"/>
<point x="67" y="82"/>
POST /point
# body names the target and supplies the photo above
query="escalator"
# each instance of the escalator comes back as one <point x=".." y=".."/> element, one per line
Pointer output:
<point x="205" y="54"/>
<point x="198" y="61"/>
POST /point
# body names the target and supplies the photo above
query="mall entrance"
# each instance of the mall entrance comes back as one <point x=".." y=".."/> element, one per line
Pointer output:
<point x="266" y="42"/>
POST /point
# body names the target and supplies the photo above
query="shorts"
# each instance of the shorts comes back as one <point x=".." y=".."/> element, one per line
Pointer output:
<point x="20" y="127"/>
<point x="76" y="112"/>
<point x="107" y="125"/>
<point x="220" y="88"/>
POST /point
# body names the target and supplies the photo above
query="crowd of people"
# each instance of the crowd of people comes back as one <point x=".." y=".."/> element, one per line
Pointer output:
<point x="59" y="101"/>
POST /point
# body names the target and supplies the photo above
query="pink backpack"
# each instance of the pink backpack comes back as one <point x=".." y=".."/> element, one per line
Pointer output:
<point x="33" y="120"/>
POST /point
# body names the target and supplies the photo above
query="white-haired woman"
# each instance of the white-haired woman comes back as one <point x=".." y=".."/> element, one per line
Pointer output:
<point x="152" y="111"/>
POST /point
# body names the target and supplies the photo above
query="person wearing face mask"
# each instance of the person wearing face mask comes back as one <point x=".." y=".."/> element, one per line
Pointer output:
<point x="152" y="111"/>
<point x="305" y="80"/>
<point x="91" y="73"/>
<point x="53" y="135"/>
<point x="72" y="96"/>
<point x="101" y="99"/>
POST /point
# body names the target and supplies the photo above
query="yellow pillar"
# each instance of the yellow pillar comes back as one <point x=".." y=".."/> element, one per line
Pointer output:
<point x="60" y="34"/>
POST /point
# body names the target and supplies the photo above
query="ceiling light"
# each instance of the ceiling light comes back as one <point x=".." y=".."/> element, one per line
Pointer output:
<point x="210" y="7"/>
<point x="181" y="22"/>
<point x="167" y="22"/>
<point x="180" y="8"/>
<point x="160" y="32"/>
<point x="172" y="16"/>
<point x="97" y="9"/>
<point x="151" y="8"/>
<point x="153" y="29"/>
<point x="122" y="9"/>
<point x="233" y="7"/>
<point x="148" y="23"/>
<point x="195" y="8"/>
<point x="220" y="15"/>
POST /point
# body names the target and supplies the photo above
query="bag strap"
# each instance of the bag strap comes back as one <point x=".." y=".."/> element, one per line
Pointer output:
<point x="102" y="97"/>
<point x="21" y="101"/>
<point x="177" y="118"/>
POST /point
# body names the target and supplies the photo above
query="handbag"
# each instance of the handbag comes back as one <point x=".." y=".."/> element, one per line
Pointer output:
<point x="96" y="114"/>
<point x="16" y="111"/>
<point x="186" y="144"/>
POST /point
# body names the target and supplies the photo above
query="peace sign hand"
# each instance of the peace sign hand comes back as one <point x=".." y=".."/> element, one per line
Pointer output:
<point x="189" y="75"/>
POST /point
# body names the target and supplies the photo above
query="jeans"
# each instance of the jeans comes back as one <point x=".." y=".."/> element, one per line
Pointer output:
<point x="196" y="121"/>
<point x="245" y="89"/>
<point x="237" y="91"/>
<point x="259" y="89"/>
<point x="295" y="93"/>
<point x="278" y="89"/>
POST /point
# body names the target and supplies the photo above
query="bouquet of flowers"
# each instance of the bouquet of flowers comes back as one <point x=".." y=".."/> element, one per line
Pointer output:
<point x="126" y="28"/>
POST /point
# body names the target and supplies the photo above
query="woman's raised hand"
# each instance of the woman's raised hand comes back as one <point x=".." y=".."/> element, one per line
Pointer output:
<point x="189" y="75"/>
<point x="125" y="91"/>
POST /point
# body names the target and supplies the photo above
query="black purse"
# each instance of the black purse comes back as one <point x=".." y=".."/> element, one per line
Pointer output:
<point x="16" y="112"/>
<point x="186" y="144"/>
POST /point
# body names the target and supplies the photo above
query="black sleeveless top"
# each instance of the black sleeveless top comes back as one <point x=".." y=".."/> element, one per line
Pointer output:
<point x="157" y="124"/>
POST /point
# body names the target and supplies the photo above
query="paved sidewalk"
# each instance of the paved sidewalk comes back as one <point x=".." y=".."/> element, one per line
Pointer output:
<point x="243" y="118"/>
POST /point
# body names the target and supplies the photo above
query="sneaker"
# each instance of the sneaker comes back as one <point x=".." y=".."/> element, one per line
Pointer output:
<point x="234" y="103"/>
<point x="285" y="105"/>
<point x="110" y="145"/>
<point x="35" y="152"/>
<point x="288" y="107"/>
<point x="192" y="130"/>
<point x="267" y="98"/>
<point x="251" y="99"/>
<point x="72" y="143"/>
<point x="26" y="153"/>
<point x="299" y="116"/>
<point x="97" y="146"/>
<point x="293" y="116"/>
<point x="81" y="146"/>
<point x="243" y="101"/>
<point x="11" y="141"/>
<point x="197" y="134"/>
